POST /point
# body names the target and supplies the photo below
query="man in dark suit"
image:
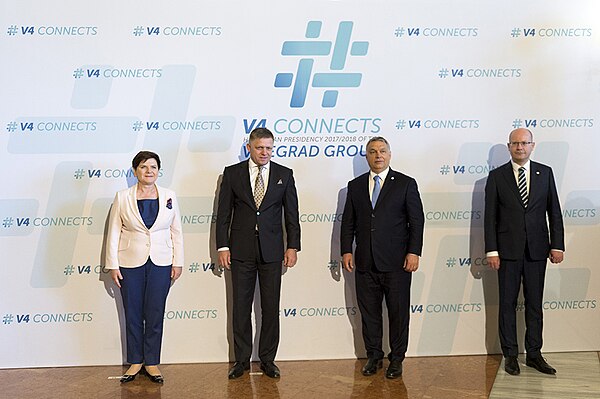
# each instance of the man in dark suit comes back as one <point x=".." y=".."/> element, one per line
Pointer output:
<point x="523" y="227"/>
<point x="254" y="196"/>
<point x="384" y="215"/>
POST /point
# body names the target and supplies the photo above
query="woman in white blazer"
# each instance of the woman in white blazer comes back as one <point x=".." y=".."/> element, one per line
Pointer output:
<point x="144" y="254"/>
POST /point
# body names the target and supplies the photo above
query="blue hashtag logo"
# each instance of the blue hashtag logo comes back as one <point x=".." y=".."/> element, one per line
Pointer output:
<point x="138" y="31"/>
<point x="7" y="318"/>
<point x="399" y="32"/>
<point x="515" y="32"/>
<point x="7" y="222"/>
<point x="12" y="30"/>
<point x="79" y="173"/>
<point x="137" y="126"/>
<point x="11" y="126"/>
<point x="328" y="80"/>
<point x="517" y="123"/>
<point x="78" y="73"/>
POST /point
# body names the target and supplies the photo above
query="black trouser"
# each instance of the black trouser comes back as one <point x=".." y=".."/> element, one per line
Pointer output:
<point x="510" y="275"/>
<point x="244" y="275"/>
<point x="372" y="287"/>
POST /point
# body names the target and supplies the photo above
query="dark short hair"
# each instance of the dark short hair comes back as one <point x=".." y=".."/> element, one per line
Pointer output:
<point x="261" y="133"/>
<point x="143" y="156"/>
<point x="378" y="138"/>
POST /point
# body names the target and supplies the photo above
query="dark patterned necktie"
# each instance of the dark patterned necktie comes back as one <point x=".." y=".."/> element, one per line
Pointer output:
<point x="259" y="188"/>
<point x="522" y="183"/>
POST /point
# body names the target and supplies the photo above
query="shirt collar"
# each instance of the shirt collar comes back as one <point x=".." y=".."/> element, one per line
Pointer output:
<point x="382" y="174"/>
<point x="251" y="164"/>
<point x="516" y="166"/>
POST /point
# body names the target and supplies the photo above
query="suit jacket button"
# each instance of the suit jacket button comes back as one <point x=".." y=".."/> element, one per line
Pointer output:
<point x="372" y="215"/>
<point x="372" y="229"/>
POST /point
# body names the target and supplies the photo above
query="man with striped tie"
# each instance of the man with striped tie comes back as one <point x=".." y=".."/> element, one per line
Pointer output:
<point x="523" y="227"/>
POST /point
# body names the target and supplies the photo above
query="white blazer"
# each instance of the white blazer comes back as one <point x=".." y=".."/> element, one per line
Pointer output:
<point x="130" y="242"/>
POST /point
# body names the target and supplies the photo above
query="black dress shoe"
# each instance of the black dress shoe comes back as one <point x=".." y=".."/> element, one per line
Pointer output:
<point x="270" y="369"/>
<point x="394" y="370"/>
<point x="238" y="369"/>
<point x="539" y="363"/>
<point x="511" y="365"/>
<point x="372" y="366"/>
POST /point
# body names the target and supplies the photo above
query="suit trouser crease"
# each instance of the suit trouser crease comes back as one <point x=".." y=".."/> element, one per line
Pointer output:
<point x="144" y="290"/>
<point x="372" y="288"/>
<point x="244" y="275"/>
<point x="510" y="275"/>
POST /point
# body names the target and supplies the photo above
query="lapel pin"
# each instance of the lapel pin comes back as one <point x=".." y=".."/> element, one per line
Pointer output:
<point x="392" y="178"/>
<point x="279" y="181"/>
<point x="170" y="203"/>
<point x="537" y="172"/>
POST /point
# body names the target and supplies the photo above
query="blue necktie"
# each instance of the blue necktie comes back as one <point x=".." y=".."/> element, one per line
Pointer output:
<point x="376" y="190"/>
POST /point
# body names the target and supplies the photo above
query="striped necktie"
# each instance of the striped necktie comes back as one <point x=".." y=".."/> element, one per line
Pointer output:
<point x="522" y="183"/>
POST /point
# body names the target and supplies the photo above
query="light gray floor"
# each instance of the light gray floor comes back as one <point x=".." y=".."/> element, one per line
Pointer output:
<point x="577" y="377"/>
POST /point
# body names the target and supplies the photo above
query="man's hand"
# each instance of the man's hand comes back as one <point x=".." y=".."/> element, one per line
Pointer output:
<point x="494" y="262"/>
<point x="556" y="256"/>
<point x="290" y="257"/>
<point x="225" y="259"/>
<point x="411" y="263"/>
<point x="347" y="262"/>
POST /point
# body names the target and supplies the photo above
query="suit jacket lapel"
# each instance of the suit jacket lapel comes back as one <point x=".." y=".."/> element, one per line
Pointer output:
<point x="162" y="204"/>
<point x="244" y="178"/>
<point x="272" y="176"/>
<point x="364" y="193"/>
<point x="387" y="186"/>
<point x="134" y="206"/>
<point x="534" y="182"/>
<point x="509" y="176"/>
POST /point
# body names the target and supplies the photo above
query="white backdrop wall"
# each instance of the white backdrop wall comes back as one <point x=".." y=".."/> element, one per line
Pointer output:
<point x="85" y="86"/>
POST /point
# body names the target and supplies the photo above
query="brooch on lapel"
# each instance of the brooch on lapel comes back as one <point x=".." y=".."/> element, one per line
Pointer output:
<point x="279" y="181"/>
<point x="170" y="203"/>
<point x="537" y="172"/>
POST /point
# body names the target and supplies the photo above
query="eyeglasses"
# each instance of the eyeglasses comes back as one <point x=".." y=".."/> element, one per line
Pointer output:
<point x="521" y="143"/>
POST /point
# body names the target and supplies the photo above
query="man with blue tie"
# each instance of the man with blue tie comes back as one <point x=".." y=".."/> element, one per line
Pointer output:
<point x="255" y="196"/>
<point x="383" y="214"/>
<point x="523" y="227"/>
